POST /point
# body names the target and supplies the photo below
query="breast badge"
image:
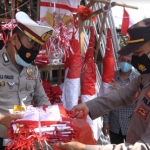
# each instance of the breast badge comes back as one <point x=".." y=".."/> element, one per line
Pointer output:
<point x="11" y="84"/>
<point x="30" y="72"/>
<point x="2" y="83"/>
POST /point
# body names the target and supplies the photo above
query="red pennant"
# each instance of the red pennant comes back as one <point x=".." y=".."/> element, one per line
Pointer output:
<point x="108" y="60"/>
<point x="125" y="22"/>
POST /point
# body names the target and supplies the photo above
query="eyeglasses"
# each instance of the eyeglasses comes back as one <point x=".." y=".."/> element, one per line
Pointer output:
<point x="35" y="45"/>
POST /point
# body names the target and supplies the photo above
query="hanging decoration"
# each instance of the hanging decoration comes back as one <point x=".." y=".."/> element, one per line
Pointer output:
<point x="108" y="66"/>
<point x="88" y="83"/>
<point x="85" y="12"/>
<point x="73" y="66"/>
<point x="60" y="43"/>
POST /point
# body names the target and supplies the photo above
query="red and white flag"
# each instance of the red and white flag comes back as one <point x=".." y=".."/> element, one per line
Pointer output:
<point x="126" y="22"/>
<point x="88" y="83"/>
<point x="73" y="66"/>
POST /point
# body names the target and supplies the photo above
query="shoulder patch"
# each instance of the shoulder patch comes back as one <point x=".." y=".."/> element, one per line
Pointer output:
<point x="142" y="112"/>
<point x="5" y="57"/>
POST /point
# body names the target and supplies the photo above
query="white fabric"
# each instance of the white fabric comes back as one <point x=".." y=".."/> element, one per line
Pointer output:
<point x="71" y="3"/>
<point x="52" y="113"/>
<point x="104" y="88"/>
<point x="71" y="92"/>
<point x="94" y="124"/>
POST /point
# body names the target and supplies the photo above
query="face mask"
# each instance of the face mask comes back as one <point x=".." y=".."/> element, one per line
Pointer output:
<point x="20" y="61"/>
<point x="27" y="55"/>
<point x="142" y="63"/>
<point x="125" y="67"/>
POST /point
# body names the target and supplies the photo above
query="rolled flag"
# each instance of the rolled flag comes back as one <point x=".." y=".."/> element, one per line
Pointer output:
<point x="88" y="82"/>
<point x="73" y="66"/>
<point x="126" y="22"/>
<point x="107" y="75"/>
<point x="108" y="66"/>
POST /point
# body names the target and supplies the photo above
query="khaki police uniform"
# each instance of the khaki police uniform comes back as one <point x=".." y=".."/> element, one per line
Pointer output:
<point x="15" y="85"/>
<point x="137" y="92"/>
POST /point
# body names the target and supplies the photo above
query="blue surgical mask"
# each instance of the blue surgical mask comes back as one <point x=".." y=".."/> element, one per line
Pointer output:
<point x="125" y="67"/>
<point x="20" y="61"/>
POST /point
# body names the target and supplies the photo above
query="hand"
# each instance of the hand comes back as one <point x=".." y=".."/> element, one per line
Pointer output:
<point x="115" y="85"/>
<point x="79" y="108"/>
<point x="72" y="145"/>
<point x="105" y="129"/>
<point x="6" y="119"/>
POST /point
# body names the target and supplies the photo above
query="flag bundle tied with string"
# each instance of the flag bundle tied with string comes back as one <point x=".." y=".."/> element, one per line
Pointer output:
<point x="88" y="82"/>
<point x="107" y="76"/>
<point x="44" y="126"/>
<point x="108" y="66"/>
<point x="73" y="66"/>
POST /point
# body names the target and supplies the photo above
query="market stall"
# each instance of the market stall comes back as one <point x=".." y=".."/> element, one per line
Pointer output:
<point x="82" y="34"/>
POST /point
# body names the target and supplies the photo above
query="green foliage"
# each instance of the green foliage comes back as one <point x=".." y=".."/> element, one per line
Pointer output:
<point x="122" y="41"/>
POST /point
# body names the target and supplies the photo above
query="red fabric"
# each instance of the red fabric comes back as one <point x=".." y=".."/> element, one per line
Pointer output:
<point x="53" y="93"/>
<point x="74" y="61"/>
<point x="85" y="12"/>
<point x="88" y="76"/>
<point x="41" y="60"/>
<point x="79" y="130"/>
<point x="108" y="61"/>
<point x="62" y="6"/>
<point x="125" y="22"/>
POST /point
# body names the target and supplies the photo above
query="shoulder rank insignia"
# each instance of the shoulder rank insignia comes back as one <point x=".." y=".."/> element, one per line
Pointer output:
<point x="5" y="57"/>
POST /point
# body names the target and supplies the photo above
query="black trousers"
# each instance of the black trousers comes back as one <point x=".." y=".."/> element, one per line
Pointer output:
<point x="1" y="144"/>
<point x="117" y="138"/>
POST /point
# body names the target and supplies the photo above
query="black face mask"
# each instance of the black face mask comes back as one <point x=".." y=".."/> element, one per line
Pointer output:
<point x="142" y="63"/>
<point x="28" y="55"/>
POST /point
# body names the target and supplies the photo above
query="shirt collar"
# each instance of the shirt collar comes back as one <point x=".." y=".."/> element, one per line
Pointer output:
<point x="129" y="77"/>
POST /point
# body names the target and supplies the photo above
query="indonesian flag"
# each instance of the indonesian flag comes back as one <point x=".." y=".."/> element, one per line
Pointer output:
<point x="88" y="83"/>
<point x="107" y="75"/>
<point x="108" y="66"/>
<point x="73" y="66"/>
<point x="47" y="125"/>
<point x="126" y="22"/>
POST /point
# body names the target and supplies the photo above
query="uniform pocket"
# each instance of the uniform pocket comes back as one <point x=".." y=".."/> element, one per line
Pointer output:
<point x="30" y="86"/>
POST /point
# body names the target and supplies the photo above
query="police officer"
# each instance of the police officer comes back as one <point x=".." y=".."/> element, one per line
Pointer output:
<point x="20" y="81"/>
<point x="137" y="92"/>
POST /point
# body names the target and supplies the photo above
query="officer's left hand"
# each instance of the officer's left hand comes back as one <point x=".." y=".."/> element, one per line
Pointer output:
<point x="72" y="145"/>
<point x="115" y="85"/>
<point x="6" y="119"/>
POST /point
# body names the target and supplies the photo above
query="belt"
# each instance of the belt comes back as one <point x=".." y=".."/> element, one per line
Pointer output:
<point x="5" y="142"/>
